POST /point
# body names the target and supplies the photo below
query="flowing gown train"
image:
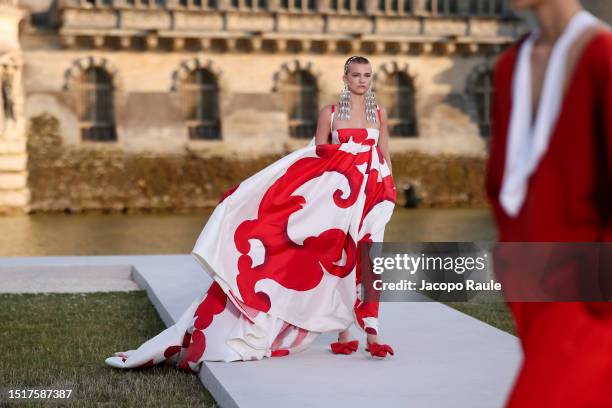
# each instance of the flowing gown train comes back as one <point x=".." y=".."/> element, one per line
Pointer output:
<point x="282" y="249"/>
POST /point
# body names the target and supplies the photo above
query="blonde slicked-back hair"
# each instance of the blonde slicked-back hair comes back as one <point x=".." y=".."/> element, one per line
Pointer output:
<point x="355" y="58"/>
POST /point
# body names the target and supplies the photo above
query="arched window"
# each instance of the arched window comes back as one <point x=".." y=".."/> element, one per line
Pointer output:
<point x="480" y="87"/>
<point x="95" y="105"/>
<point x="300" y="95"/>
<point x="396" y="93"/>
<point x="200" y="94"/>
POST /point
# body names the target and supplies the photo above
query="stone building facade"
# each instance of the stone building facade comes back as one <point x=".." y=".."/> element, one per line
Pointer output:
<point x="236" y="81"/>
<point x="14" y="193"/>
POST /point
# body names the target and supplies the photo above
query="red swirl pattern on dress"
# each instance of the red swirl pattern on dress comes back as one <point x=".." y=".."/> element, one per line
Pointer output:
<point x="295" y="266"/>
<point x="213" y="304"/>
<point x="359" y="135"/>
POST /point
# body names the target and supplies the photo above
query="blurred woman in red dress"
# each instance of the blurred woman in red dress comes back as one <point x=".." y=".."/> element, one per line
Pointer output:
<point x="549" y="180"/>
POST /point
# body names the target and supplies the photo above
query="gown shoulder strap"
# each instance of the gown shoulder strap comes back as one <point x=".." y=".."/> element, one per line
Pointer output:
<point x="331" y="117"/>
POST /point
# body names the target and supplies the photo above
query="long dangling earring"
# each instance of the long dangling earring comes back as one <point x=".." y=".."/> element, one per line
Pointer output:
<point x="345" y="104"/>
<point x="370" y="105"/>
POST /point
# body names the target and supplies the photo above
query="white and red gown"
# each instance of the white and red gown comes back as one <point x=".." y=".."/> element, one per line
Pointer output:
<point x="281" y="248"/>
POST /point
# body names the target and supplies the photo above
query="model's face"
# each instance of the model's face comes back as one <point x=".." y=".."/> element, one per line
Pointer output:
<point x="526" y="4"/>
<point x="358" y="78"/>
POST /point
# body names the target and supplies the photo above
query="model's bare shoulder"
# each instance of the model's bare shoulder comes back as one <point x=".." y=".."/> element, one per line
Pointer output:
<point x="327" y="109"/>
<point x="323" y="124"/>
<point x="325" y="112"/>
<point x="383" y="111"/>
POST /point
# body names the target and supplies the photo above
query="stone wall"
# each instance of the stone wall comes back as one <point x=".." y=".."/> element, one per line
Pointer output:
<point x="65" y="178"/>
<point x="253" y="121"/>
<point x="154" y="165"/>
<point x="441" y="180"/>
<point x="600" y="8"/>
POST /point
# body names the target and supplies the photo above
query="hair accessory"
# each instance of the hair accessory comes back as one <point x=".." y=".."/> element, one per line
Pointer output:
<point x="350" y="60"/>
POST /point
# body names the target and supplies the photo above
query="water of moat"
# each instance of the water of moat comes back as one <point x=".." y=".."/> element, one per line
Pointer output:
<point x="137" y="234"/>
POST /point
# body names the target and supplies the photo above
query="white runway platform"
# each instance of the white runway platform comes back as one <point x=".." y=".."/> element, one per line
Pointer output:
<point x="443" y="358"/>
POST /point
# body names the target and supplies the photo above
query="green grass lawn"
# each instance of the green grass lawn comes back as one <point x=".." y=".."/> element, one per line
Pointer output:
<point x="61" y="340"/>
<point x="494" y="313"/>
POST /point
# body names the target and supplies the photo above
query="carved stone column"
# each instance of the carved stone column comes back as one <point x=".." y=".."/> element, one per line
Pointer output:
<point x="371" y="6"/>
<point x="273" y="5"/>
<point x="419" y="8"/>
<point x="322" y="6"/>
<point x="224" y="4"/>
<point x="14" y="192"/>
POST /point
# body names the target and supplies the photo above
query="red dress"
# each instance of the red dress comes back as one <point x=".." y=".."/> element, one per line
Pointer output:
<point x="283" y="250"/>
<point x="567" y="346"/>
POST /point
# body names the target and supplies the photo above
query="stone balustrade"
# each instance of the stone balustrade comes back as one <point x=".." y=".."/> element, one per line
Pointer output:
<point x="491" y="8"/>
<point x="211" y="26"/>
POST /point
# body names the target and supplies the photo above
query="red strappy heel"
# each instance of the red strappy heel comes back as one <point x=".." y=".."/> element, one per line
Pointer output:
<point x="379" y="350"/>
<point x="348" y="347"/>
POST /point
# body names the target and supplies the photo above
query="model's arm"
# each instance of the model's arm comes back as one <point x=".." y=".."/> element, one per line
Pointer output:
<point x="383" y="139"/>
<point x="323" y="129"/>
